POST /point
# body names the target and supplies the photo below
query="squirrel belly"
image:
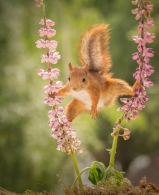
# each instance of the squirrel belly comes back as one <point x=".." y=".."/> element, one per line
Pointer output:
<point x="84" y="97"/>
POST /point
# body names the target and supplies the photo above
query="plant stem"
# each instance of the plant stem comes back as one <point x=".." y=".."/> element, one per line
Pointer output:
<point x="87" y="168"/>
<point x="115" y="141"/>
<point x="113" y="150"/>
<point x="77" y="169"/>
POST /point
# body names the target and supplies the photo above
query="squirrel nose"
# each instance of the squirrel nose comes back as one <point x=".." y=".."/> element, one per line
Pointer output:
<point x="74" y="88"/>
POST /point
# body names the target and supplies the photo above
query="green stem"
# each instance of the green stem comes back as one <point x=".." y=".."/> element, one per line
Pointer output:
<point x="77" y="169"/>
<point x="87" y="168"/>
<point x="113" y="150"/>
<point x="115" y="141"/>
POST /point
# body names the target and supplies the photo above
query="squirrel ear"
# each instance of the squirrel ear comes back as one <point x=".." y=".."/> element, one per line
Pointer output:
<point x="70" y="66"/>
<point x="86" y="67"/>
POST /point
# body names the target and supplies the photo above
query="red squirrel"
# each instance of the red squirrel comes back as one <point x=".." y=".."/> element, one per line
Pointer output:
<point x="91" y="85"/>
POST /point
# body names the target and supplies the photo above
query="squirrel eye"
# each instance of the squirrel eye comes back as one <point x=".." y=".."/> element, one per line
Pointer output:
<point x="83" y="80"/>
<point x="69" y="78"/>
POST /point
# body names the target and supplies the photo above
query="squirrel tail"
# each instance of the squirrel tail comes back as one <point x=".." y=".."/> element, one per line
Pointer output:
<point x="94" y="48"/>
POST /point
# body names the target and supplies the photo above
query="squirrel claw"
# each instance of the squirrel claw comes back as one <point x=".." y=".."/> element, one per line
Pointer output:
<point x="137" y="85"/>
<point x="94" y="113"/>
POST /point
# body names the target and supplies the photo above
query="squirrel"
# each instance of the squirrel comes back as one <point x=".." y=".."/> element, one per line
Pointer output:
<point x="91" y="85"/>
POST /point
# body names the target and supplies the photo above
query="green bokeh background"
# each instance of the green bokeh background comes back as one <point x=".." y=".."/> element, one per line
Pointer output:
<point x="28" y="155"/>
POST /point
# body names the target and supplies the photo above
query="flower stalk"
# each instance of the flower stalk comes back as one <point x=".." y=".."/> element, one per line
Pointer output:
<point x="58" y="122"/>
<point x="132" y="105"/>
<point x="115" y="135"/>
<point x="77" y="170"/>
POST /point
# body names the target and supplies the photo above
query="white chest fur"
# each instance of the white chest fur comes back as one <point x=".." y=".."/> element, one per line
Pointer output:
<point x="84" y="97"/>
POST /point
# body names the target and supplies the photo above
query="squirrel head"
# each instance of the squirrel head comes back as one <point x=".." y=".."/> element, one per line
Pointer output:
<point x="78" y="77"/>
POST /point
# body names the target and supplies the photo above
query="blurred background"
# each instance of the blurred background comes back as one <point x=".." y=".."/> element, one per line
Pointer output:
<point x="28" y="155"/>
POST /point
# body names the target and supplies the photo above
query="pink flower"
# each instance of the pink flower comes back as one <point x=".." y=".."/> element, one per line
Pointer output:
<point x="147" y="82"/>
<point x="54" y="57"/>
<point x="149" y="23"/>
<point x="149" y="8"/>
<point x="148" y="52"/>
<point x="139" y="40"/>
<point x="44" y="58"/>
<point x="51" y="45"/>
<point x="135" y="56"/>
<point x="38" y="3"/>
<point x="50" y="32"/>
<point x="47" y="32"/>
<point x="134" y="11"/>
<point x="53" y="74"/>
<point x="42" y="32"/>
<point x="148" y="69"/>
<point x="46" y="44"/>
<point x="140" y="27"/>
<point x="51" y="89"/>
<point x="40" y="43"/>
<point x="148" y="37"/>
<point x="135" y="2"/>
<point x="48" y="22"/>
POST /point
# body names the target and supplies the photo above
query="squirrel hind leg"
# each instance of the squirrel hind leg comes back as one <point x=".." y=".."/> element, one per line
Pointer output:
<point x="74" y="108"/>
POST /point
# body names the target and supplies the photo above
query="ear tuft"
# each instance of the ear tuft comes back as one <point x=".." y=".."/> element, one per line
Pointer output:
<point x="86" y="68"/>
<point x="70" y="66"/>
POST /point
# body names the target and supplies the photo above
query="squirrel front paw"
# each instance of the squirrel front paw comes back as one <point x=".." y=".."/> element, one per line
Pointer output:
<point x="94" y="113"/>
<point x="136" y="85"/>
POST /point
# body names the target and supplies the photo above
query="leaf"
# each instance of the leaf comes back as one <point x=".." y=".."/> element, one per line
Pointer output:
<point x="119" y="174"/>
<point x="97" y="172"/>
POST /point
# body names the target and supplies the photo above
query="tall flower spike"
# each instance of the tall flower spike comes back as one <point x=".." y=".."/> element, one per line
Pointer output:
<point x="132" y="105"/>
<point x="58" y="122"/>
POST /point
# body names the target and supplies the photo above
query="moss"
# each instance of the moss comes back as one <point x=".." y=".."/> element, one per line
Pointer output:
<point x="103" y="188"/>
<point x="110" y="188"/>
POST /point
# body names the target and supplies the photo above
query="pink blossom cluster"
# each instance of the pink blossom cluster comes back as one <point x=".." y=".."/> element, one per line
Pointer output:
<point x="58" y="122"/>
<point x="142" y="57"/>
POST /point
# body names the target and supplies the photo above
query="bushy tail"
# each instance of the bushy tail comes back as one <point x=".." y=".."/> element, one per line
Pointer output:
<point x="94" y="49"/>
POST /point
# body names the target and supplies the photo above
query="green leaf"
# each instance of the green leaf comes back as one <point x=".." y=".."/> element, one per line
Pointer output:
<point x="119" y="174"/>
<point x="96" y="172"/>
